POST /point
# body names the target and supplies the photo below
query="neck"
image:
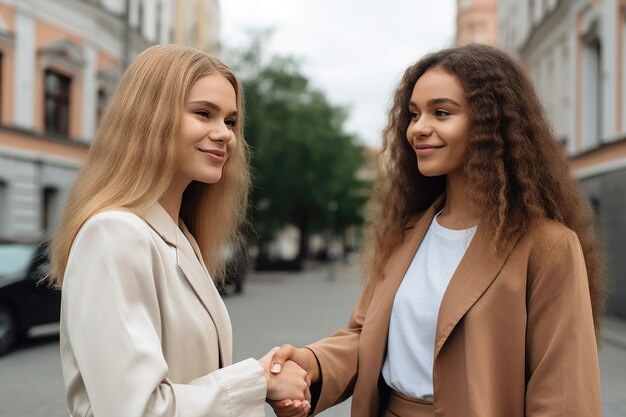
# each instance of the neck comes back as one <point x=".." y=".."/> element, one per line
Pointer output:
<point x="173" y="197"/>
<point x="456" y="213"/>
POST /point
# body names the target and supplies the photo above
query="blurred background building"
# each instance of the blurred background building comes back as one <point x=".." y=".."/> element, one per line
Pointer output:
<point x="476" y="22"/>
<point x="60" y="61"/>
<point x="575" y="51"/>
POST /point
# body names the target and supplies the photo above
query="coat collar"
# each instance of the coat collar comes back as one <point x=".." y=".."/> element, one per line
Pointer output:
<point x="476" y="271"/>
<point x="190" y="262"/>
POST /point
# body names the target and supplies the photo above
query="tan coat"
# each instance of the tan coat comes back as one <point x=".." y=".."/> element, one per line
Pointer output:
<point x="514" y="336"/>
<point x="144" y="332"/>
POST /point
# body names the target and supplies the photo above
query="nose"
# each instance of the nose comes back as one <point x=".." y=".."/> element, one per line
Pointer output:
<point x="221" y="133"/>
<point x="420" y="128"/>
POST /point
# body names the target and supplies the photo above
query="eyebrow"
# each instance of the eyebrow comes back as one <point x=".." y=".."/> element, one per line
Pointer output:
<point x="213" y="106"/>
<point x="441" y="100"/>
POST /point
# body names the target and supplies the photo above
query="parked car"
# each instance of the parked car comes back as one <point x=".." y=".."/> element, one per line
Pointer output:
<point x="236" y="268"/>
<point x="24" y="300"/>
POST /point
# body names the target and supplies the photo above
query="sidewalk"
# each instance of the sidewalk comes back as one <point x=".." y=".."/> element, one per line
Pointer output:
<point x="613" y="331"/>
<point x="613" y="366"/>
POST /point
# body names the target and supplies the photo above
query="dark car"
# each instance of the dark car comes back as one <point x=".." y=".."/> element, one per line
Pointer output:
<point x="24" y="301"/>
<point x="236" y="268"/>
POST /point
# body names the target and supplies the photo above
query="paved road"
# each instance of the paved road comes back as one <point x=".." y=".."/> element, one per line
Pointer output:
<point x="268" y="314"/>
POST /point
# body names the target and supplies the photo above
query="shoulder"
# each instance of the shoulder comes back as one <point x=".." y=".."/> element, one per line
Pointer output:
<point x="118" y="225"/>
<point x="545" y="234"/>
<point x="550" y="242"/>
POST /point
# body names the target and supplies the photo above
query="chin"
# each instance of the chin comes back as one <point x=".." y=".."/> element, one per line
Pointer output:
<point x="429" y="172"/>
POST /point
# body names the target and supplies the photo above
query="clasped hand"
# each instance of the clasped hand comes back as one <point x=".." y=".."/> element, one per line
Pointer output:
<point x="287" y="386"/>
<point x="280" y="362"/>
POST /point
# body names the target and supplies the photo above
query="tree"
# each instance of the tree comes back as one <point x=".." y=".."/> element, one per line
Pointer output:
<point x="302" y="158"/>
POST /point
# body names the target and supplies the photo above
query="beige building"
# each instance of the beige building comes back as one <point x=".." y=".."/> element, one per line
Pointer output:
<point x="476" y="22"/>
<point x="575" y="51"/>
<point x="197" y="24"/>
<point x="60" y="61"/>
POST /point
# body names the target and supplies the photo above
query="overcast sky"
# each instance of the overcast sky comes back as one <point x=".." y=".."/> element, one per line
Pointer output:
<point x="353" y="50"/>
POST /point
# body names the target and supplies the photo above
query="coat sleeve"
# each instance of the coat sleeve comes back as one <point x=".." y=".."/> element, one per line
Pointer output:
<point x="562" y="358"/>
<point x="113" y="325"/>
<point x="337" y="356"/>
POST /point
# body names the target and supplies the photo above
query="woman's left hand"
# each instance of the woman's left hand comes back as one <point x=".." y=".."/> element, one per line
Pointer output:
<point x="289" y="408"/>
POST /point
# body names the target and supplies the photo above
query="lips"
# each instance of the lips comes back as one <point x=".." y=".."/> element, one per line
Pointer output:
<point x="214" y="154"/>
<point x="426" y="149"/>
<point x="213" y="151"/>
<point x="426" y="146"/>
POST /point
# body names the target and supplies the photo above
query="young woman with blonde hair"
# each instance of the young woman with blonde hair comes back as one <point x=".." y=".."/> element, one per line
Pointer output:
<point x="164" y="187"/>
<point x="484" y="268"/>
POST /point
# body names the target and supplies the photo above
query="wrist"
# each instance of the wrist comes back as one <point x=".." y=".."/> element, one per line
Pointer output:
<point x="314" y="367"/>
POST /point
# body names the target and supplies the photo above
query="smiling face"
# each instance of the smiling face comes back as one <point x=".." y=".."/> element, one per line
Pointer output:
<point x="439" y="124"/>
<point x="208" y="122"/>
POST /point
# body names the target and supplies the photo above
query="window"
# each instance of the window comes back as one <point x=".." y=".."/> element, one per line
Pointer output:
<point x="57" y="102"/>
<point x="140" y="18"/>
<point x="592" y="97"/>
<point x="48" y="209"/>
<point x="102" y="103"/>
<point x="1" y="76"/>
<point x="4" y="207"/>
<point x="159" y="25"/>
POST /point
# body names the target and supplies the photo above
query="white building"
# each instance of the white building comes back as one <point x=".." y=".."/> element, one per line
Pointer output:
<point x="575" y="51"/>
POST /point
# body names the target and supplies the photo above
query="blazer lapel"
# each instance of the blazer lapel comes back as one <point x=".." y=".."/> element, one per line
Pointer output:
<point x="195" y="270"/>
<point x="375" y="334"/>
<point x="475" y="273"/>
<point x="190" y="262"/>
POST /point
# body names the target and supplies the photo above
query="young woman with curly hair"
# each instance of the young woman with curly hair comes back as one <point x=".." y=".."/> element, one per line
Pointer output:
<point x="485" y="288"/>
<point x="144" y="331"/>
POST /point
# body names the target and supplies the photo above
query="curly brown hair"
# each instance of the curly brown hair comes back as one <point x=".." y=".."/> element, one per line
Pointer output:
<point x="516" y="171"/>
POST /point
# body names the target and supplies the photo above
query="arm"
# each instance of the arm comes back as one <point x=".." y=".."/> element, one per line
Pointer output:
<point x="113" y="325"/>
<point x="562" y="357"/>
<point x="331" y="362"/>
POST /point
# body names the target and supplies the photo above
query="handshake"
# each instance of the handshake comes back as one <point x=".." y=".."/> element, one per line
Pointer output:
<point x="289" y="373"/>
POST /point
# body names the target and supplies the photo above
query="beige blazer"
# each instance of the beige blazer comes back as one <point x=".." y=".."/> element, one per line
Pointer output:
<point x="514" y="335"/>
<point x="144" y="332"/>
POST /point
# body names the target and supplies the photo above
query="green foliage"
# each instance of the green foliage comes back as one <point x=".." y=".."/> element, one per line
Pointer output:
<point x="301" y="156"/>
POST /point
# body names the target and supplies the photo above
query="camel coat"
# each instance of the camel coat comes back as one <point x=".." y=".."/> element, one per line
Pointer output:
<point x="144" y="332"/>
<point x="514" y="337"/>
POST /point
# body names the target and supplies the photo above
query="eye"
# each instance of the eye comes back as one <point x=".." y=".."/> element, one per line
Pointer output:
<point x="442" y="113"/>
<point x="202" y="113"/>
<point x="230" y="122"/>
<point x="414" y="115"/>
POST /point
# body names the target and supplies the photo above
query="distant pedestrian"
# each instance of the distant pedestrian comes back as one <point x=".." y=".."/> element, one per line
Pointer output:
<point x="144" y="331"/>
<point x="483" y="263"/>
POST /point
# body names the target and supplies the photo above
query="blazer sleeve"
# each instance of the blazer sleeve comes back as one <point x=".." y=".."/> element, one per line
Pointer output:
<point x="337" y="356"/>
<point x="114" y="329"/>
<point x="562" y="357"/>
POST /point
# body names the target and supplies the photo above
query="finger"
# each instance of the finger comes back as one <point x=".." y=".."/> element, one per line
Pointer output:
<point x="280" y="404"/>
<point x="301" y="411"/>
<point x="280" y="356"/>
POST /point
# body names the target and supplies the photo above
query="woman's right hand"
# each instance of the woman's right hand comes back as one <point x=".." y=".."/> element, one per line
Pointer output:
<point x="303" y="357"/>
<point x="292" y="383"/>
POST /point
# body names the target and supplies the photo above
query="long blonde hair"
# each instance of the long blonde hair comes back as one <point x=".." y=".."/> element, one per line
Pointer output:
<point x="134" y="157"/>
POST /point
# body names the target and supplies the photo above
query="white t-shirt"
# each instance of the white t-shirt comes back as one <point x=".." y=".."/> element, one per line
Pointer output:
<point x="408" y="367"/>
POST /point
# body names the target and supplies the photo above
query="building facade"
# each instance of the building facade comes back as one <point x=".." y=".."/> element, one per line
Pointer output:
<point x="476" y="22"/>
<point x="575" y="51"/>
<point x="60" y="61"/>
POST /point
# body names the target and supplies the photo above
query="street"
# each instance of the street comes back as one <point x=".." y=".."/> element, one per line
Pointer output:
<point x="275" y="308"/>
